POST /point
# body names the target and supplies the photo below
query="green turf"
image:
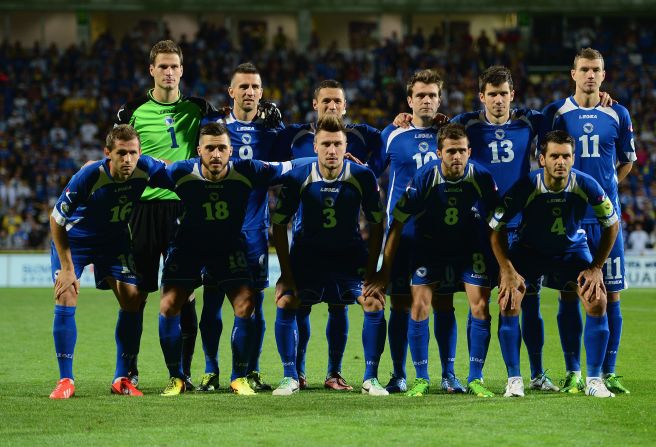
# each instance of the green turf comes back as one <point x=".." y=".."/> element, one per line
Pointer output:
<point x="314" y="417"/>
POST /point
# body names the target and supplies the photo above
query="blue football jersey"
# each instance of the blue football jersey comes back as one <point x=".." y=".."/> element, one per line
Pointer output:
<point x="503" y="149"/>
<point x="551" y="220"/>
<point x="406" y="151"/>
<point x="443" y="209"/>
<point x="214" y="212"/>
<point x="328" y="210"/>
<point x="603" y="136"/>
<point x="96" y="208"/>
<point x="362" y="141"/>
<point x="251" y="140"/>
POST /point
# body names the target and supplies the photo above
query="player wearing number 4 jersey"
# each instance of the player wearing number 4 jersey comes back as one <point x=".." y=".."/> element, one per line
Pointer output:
<point x="89" y="226"/>
<point x="605" y="150"/>
<point x="167" y="123"/>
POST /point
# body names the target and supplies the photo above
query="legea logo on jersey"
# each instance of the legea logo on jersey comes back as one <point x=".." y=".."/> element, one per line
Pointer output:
<point x="169" y="121"/>
<point x="500" y="134"/>
<point x="423" y="146"/>
<point x="588" y="128"/>
<point x="246" y="138"/>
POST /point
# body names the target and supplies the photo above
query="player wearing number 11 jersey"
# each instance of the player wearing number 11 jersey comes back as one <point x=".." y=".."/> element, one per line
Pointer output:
<point x="605" y="150"/>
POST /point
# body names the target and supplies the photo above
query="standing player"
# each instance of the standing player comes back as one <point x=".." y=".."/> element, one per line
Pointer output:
<point x="364" y="143"/>
<point x="406" y="150"/>
<point x="443" y="251"/>
<point x="605" y="150"/>
<point x="329" y="259"/>
<point x="553" y="202"/>
<point x="252" y="135"/>
<point x="214" y="191"/>
<point x="501" y="141"/>
<point x="167" y="123"/>
<point x="89" y="226"/>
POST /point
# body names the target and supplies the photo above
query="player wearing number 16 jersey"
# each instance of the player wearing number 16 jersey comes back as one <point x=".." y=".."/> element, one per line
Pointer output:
<point x="167" y="123"/>
<point x="604" y="150"/>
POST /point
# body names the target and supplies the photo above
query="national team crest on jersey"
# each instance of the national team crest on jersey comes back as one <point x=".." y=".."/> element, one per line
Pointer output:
<point x="421" y="272"/>
<point x="500" y="134"/>
<point x="329" y="202"/>
<point x="122" y="199"/>
<point x="214" y="196"/>
<point x="557" y="212"/>
<point x="588" y="128"/>
<point x="423" y="146"/>
<point x="246" y="138"/>
<point x="169" y="121"/>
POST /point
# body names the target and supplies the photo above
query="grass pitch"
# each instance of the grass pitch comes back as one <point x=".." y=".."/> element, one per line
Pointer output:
<point x="313" y="417"/>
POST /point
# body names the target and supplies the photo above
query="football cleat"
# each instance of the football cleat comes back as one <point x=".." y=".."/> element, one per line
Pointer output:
<point x="256" y="383"/>
<point x="133" y="375"/>
<point x="572" y="384"/>
<point x="302" y="382"/>
<point x="596" y="387"/>
<point x="287" y="387"/>
<point x="373" y="387"/>
<point x="209" y="382"/>
<point x="189" y="386"/>
<point x="396" y="385"/>
<point x="123" y="386"/>
<point x="241" y="387"/>
<point x="543" y="383"/>
<point x="335" y="381"/>
<point x="175" y="387"/>
<point x="65" y="389"/>
<point x="452" y="385"/>
<point x="477" y="388"/>
<point x="419" y="388"/>
<point x="614" y="385"/>
<point x="515" y="387"/>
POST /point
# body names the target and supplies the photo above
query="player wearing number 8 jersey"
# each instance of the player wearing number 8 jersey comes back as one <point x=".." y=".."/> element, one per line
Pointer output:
<point x="604" y="150"/>
<point x="167" y="123"/>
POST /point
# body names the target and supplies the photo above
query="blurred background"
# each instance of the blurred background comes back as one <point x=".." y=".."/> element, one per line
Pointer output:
<point x="66" y="67"/>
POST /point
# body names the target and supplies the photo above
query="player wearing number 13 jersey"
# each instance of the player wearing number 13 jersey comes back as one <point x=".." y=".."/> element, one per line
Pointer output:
<point x="167" y="123"/>
<point x="604" y="150"/>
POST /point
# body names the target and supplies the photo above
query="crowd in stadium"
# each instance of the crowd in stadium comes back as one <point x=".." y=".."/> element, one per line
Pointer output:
<point x="56" y="104"/>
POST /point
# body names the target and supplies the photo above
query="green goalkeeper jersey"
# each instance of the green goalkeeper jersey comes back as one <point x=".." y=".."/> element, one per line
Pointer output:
<point x="168" y="131"/>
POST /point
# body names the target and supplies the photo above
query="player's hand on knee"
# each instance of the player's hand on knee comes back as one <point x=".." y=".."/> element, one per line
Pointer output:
<point x="402" y="120"/>
<point x="285" y="287"/>
<point x="375" y="284"/>
<point x="591" y="284"/>
<point x="66" y="279"/>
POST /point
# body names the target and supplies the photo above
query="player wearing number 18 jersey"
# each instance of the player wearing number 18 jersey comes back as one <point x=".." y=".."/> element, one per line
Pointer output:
<point x="605" y="150"/>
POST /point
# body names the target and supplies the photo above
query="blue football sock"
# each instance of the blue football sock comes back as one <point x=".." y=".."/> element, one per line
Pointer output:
<point x="446" y="334"/>
<point x="595" y="339"/>
<point x="127" y="328"/>
<point x="287" y="339"/>
<point x="170" y="339"/>
<point x="398" y="340"/>
<point x="259" y="328"/>
<point x="570" y="327"/>
<point x="337" y="335"/>
<point x="211" y="326"/>
<point x="615" y="327"/>
<point x="242" y="345"/>
<point x="510" y="340"/>
<point x="533" y="332"/>
<point x="469" y="323"/>
<point x="373" y="341"/>
<point x="64" y="331"/>
<point x="418" y="339"/>
<point x="303" y="323"/>
<point x="133" y="363"/>
<point x="188" y="334"/>
<point x="480" y="342"/>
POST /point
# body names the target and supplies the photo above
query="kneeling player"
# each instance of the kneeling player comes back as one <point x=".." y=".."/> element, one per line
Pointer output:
<point x="89" y="225"/>
<point x="441" y="197"/>
<point x="329" y="259"/>
<point x="214" y="192"/>
<point x="553" y="201"/>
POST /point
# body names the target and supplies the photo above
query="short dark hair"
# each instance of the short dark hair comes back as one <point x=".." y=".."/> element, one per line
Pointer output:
<point x="426" y="77"/>
<point x="214" y="129"/>
<point x="327" y="83"/>
<point x="495" y="76"/>
<point x="245" y="68"/>
<point x="451" y="131"/>
<point x="123" y="132"/>
<point x="165" y="47"/>
<point x="330" y="123"/>
<point x="588" y="53"/>
<point x="557" y="137"/>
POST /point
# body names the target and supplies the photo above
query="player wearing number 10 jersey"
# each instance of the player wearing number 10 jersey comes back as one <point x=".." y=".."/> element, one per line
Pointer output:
<point x="605" y="150"/>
